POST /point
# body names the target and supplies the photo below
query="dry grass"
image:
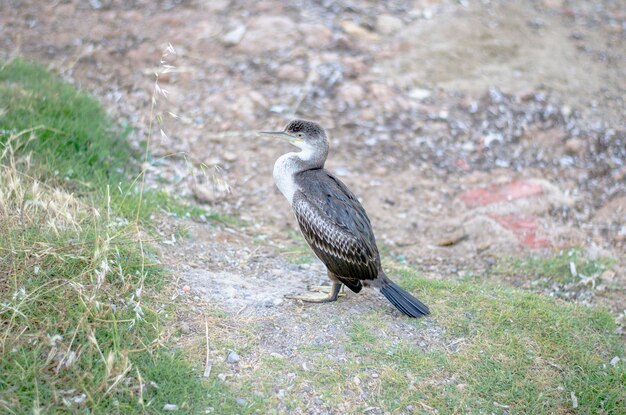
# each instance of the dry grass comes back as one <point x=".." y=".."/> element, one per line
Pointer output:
<point x="81" y="310"/>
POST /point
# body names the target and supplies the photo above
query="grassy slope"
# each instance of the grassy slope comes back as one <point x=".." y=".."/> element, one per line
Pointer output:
<point x="80" y="321"/>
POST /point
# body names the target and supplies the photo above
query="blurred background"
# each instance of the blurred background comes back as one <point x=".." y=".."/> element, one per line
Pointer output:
<point x="471" y="130"/>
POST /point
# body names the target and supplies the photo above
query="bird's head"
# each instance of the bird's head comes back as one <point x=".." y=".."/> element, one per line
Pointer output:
<point x="306" y="135"/>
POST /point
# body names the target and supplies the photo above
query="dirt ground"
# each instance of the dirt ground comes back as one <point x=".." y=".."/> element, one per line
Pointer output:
<point x="471" y="130"/>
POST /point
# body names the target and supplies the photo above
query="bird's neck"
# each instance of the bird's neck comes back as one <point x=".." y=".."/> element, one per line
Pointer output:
<point x="290" y="164"/>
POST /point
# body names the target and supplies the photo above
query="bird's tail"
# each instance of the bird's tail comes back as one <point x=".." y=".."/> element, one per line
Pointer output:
<point x="402" y="300"/>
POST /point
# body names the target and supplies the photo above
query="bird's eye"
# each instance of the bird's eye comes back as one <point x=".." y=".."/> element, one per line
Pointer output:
<point x="299" y="135"/>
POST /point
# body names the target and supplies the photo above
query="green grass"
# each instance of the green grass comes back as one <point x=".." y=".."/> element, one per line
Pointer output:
<point x="73" y="140"/>
<point x="555" y="268"/>
<point x="528" y="351"/>
<point x="82" y="316"/>
<point x="74" y="145"/>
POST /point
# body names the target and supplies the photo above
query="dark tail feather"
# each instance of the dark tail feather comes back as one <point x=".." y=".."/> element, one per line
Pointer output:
<point x="402" y="300"/>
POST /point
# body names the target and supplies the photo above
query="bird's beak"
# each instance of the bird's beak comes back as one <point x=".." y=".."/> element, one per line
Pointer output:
<point x="277" y="134"/>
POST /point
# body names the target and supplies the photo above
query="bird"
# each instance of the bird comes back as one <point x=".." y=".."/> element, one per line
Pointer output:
<point x="332" y="220"/>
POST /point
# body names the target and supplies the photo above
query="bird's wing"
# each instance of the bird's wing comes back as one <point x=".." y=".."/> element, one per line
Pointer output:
<point x="336" y="226"/>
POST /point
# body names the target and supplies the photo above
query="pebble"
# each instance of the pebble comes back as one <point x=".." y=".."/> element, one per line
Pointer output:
<point x="170" y="407"/>
<point x="368" y="114"/>
<point x="229" y="156"/>
<point x="388" y="24"/>
<point x="205" y="194"/>
<point x="419" y="94"/>
<point x="381" y="92"/>
<point x="289" y="72"/>
<point x="268" y="33"/>
<point x="353" y="67"/>
<point x="357" y="31"/>
<point x="233" y="357"/>
<point x="233" y="36"/>
<point x="575" y="146"/>
<point x="241" y="401"/>
<point x="316" y="35"/>
<point x="351" y="92"/>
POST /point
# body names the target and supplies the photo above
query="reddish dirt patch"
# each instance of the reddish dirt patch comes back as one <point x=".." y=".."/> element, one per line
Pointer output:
<point x="524" y="228"/>
<point x="496" y="193"/>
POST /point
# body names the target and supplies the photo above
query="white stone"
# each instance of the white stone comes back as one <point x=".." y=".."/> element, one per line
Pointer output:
<point x="388" y="24"/>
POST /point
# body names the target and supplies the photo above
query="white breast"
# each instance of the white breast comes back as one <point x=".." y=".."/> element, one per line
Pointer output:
<point x="284" y="170"/>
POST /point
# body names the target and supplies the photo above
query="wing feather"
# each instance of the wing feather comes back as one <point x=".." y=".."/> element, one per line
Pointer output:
<point x="336" y="227"/>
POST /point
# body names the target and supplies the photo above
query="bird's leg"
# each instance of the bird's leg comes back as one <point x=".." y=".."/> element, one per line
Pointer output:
<point x="317" y="298"/>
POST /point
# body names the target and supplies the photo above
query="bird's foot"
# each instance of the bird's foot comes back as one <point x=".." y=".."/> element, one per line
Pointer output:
<point x="325" y="289"/>
<point x="320" y="294"/>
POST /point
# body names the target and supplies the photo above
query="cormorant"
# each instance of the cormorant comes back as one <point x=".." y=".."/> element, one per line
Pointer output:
<point x="332" y="220"/>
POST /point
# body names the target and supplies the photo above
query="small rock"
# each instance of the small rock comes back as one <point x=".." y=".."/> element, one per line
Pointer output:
<point x="186" y="288"/>
<point x="170" y="407"/>
<point x="229" y="156"/>
<point x="241" y="401"/>
<point x="233" y="357"/>
<point x="368" y="114"/>
<point x="269" y="33"/>
<point x="566" y="110"/>
<point x="259" y="99"/>
<point x="575" y="146"/>
<point x="353" y="67"/>
<point x="492" y="138"/>
<point x="221" y="377"/>
<point x="316" y="35"/>
<point x="358" y="31"/>
<point x="233" y="36"/>
<point x="351" y="92"/>
<point x="381" y="92"/>
<point x="452" y="236"/>
<point x="388" y="24"/>
<point x="290" y="72"/>
<point x="419" y="94"/>
<point x="80" y="399"/>
<point x="615" y="361"/>
<point x="277" y="355"/>
<point x="205" y="194"/>
<point x="380" y="171"/>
